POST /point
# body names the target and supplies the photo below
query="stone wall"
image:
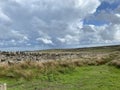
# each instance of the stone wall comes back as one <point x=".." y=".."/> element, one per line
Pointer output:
<point x="16" y="57"/>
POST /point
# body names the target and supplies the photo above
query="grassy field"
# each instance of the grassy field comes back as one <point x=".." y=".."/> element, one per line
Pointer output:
<point x="82" y="78"/>
<point x="80" y="74"/>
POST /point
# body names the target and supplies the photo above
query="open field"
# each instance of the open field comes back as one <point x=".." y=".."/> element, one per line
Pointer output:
<point x="71" y="69"/>
<point x="83" y="78"/>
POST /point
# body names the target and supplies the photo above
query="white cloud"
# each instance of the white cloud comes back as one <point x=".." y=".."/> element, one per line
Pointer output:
<point x="4" y="17"/>
<point x="101" y="34"/>
<point x="69" y="39"/>
<point x="118" y="15"/>
<point x="56" y="23"/>
<point x="48" y="21"/>
<point x="45" y="40"/>
<point x="117" y="34"/>
<point x="106" y="28"/>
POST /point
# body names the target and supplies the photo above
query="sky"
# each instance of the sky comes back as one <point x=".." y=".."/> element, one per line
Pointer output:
<point x="49" y="24"/>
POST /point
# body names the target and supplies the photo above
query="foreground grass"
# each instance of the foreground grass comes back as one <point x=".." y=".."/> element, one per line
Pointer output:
<point x="82" y="78"/>
<point x="81" y="74"/>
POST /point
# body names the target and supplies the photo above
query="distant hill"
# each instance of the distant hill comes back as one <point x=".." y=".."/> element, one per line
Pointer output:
<point x="98" y="48"/>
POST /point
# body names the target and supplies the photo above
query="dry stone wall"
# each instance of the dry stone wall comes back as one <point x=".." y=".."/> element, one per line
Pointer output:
<point x="16" y="57"/>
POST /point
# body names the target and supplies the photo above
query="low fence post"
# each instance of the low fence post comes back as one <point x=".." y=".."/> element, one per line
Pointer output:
<point x="3" y="86"/>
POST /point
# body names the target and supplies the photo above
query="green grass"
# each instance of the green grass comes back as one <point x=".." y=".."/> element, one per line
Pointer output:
<point x="82" y="78"/>
<point x="81" y="74"/>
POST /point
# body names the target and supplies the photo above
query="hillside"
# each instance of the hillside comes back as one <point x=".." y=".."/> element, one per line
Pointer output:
<point x="57" y="54"/>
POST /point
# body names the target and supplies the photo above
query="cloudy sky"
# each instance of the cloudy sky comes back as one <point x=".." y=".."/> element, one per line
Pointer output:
<point x="47" y="24"/>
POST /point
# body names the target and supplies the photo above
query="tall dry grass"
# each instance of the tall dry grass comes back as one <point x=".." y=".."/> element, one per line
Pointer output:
<point x="33" y="69"/>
